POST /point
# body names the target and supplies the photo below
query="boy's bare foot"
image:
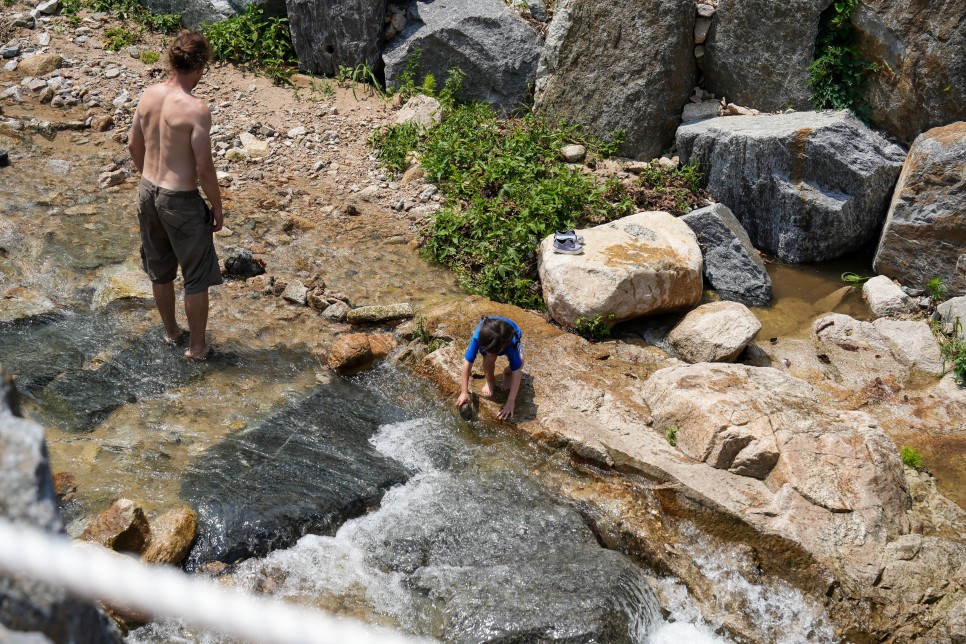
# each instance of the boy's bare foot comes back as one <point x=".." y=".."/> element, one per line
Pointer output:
<point x="487" y="391"/>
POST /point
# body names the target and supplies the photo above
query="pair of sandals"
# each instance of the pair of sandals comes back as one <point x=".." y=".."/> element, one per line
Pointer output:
<point x="568" y="242"/>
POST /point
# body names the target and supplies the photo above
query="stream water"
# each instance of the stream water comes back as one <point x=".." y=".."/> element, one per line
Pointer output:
<point x="367" y="497"/>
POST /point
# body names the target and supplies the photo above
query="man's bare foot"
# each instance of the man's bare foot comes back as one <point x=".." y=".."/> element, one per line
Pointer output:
<point x="487" y="390"/>
<point x="191" y="356"/>
<point x="173" y="340"/>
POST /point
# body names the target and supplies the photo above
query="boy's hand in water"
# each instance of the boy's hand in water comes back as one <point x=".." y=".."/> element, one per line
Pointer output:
<point x="506" y="413"/>
<point x="463" y="399"/>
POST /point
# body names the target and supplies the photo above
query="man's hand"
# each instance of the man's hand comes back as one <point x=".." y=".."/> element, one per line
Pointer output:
<point x="218" y="219"/>
<point x="506" y="413"/>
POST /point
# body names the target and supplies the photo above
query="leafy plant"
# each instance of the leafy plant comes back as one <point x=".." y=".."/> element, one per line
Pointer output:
<point x="394" y="145"/>
<point x="674" y="190"/>
<point x="937" y="289"/>
<point x="952" y="349"/>
<point x="672" y="435"/>
<point x="838" y="74"/>
<point x="912" y="458"/>
<point x="117" y="38"/>
<point x="594" y="328"/>
<point x="854" y="279"/>
<point x="131" y="10"/>
<point x="252" y="39"/>
<point x="149" y="56"/>
<point x="421" y="334"/>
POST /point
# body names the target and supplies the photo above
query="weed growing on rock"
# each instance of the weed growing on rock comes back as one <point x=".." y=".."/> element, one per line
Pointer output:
<point x="361" y="74"/>
<point x="854" y="279"/>
<point x="672" y="435"/>
<point x="838" y="75"/>
<point x="912" y="458"/>
<point x="252" y="39"/>
<point x="952" y="350"/>
<point x="594" y="328"/>
<point x="937" y="289"/>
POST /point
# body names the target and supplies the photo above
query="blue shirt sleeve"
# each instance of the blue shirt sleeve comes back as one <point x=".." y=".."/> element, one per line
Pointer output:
<point x="473" y="349"/>
<point x="513" y="355"/>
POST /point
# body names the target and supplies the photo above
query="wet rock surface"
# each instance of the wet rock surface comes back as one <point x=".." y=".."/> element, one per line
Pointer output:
<point x="305" y="469"/>
<point x="814" y="185"/>
<point x="122" y="527"/>
<point x="28" y="498"/>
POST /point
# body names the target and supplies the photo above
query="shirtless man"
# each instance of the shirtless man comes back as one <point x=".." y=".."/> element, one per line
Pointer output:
<point x="171" y="147"/>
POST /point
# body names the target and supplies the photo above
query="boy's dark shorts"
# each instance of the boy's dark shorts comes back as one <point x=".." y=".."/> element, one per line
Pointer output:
<point x="176" y="228"/>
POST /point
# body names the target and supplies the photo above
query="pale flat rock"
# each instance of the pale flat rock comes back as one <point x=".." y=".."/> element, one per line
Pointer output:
<point x="715" y="332"/>
<point x="296" y="292"/>
<point x="124" y="285"/>
<point x="911" y="341"/>
<point x="253" y="146"/>
<point x="380" y="313"/>
<point x="951" y="314"/>
<point x="40" y="64"/>
<point x="886" y="299"/>
<point x="644" y="264"/>
<point x="424" y="111"/>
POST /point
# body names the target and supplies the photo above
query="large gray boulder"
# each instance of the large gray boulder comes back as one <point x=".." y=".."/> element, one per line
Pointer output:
<point x="920" y="48"/>
<point x="951" y="314"/>
<point x="731" y="263"/>
<point x="496" y="48"/>
<point x="27" y="496"/>
<point x="925" y="231"/>
<point x="809" y="186"/>
<point x="620" y="67"/>
<point x="758" y="51"/>
<point x="328" y="34"/>
<point x="644" y="264"/>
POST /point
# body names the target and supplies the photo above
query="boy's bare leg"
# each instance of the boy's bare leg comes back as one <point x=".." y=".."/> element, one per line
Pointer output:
<point x="489" y="362"/>
<point x="505" y="383"/>
<point x="164" y="299"/>
<point x="196" y="308"/>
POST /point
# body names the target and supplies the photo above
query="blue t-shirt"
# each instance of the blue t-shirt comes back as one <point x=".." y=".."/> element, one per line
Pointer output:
<point x="513" y="351"/>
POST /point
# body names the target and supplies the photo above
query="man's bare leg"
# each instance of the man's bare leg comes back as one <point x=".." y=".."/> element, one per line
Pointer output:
<point x="164" y="299"/>
<point x="196" y="308"/>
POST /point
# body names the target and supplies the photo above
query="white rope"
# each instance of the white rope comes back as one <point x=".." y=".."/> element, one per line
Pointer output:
<point x="96" y="574"/>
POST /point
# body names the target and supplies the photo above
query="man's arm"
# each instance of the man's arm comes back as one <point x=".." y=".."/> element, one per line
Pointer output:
<point x="205" y="165"/>
<point x="135" y="143"/>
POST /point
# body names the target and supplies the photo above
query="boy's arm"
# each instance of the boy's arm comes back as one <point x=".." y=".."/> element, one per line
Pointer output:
<point x="465" y="383"/>
<point x="516" y="377"/>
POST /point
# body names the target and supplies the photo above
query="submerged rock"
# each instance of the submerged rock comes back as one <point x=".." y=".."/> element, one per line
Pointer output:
<point x="504" y="563"/>
<point x="813" y="185"/>
<point x="122" y="527"/>
<point x="925" y="230"/>
<point x="305" y="469"/>
<point x="23" y="303"/>
<point x="640" y="265"/>
<point x="28" y="497"/>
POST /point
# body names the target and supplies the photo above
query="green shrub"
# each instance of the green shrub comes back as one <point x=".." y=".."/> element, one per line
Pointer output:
<point x="674" y="190"/>
<point x="937" y="289"/>
<point x="252" y="39"/>
<point x="117" y="38"/>
<point x="838" y="75"/>
<point x="912" y="458"/>
<point x="131" y="10"/>
<point x="149" y="56"/>
<point x="672" y="435"/>
<point x="506" y="188"/>
<point x="594" y="328"/>
<point x="952" y="350"/>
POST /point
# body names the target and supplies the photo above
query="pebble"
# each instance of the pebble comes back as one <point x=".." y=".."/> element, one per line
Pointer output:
<point x="43" y="39"/>
<point x="11" y="51"/>
<point x="133" y="52"/>
<point x="10" y="66"/>
<point x="113" y="72"/>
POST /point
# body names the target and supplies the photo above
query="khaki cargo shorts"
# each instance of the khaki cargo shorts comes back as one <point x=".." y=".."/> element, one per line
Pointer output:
<point x="176" y="229"/>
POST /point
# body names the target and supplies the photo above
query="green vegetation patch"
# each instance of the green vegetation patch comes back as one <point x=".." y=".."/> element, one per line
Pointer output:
<point x="839" y="74"/>
<point x="952" y="350"/>
<point x="912" y="458"/>
<point x="252" y="39"/>
<point x="117" y="38"/>
<point x="937" y="289"/>
<point x="132" y="10"/>
<point x="506" y="188"/>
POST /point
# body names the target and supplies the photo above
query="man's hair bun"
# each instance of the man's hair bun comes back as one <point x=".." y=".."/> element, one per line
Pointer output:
<point x="189" y="52"/>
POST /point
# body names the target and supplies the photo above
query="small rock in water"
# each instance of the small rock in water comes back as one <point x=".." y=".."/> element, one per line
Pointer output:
<point x="58" y="167"/>
<point x="108" y="179"/>
<point x="171" y="537"/>
<point x="296" y="292"/>
<point x="350" y="353"/>
<point x="336" y="311"/>
<point x="380" y="313"/>
<point x="122" y="527"/>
